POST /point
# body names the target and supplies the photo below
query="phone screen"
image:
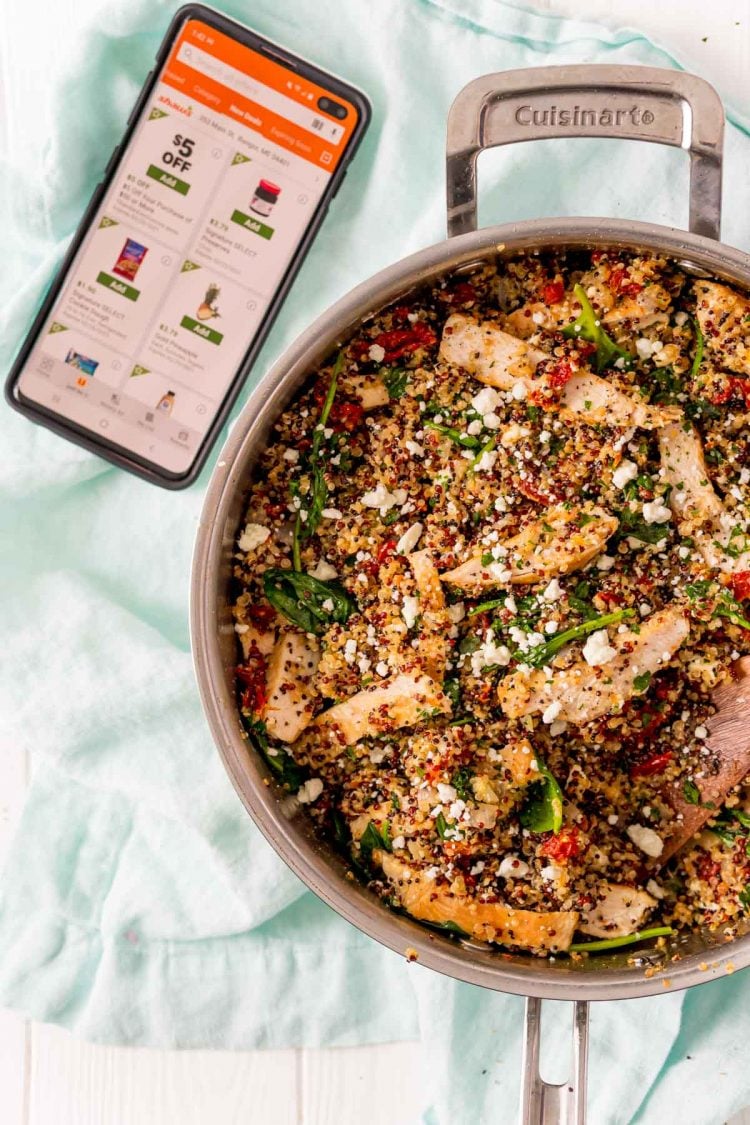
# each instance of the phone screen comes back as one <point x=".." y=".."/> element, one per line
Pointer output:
<point x="221" y="177"/>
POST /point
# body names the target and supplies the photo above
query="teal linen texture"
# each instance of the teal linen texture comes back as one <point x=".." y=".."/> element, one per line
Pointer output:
<point x="139" y="904"/>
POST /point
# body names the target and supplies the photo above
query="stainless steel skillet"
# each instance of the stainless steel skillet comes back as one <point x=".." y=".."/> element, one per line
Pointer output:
<point x="663" y="106"/>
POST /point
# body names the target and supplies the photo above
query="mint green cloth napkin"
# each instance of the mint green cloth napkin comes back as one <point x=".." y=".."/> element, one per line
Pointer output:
<point x="139" y="904"/>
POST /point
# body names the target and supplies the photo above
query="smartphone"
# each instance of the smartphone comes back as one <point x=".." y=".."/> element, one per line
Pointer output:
<point x="233" y="151"/>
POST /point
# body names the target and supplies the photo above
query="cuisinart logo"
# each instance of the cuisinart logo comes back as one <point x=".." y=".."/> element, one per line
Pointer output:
<point x="578" y="115"/>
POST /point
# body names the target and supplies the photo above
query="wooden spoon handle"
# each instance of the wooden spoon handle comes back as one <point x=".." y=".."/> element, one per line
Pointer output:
<point x="729" y="743"/>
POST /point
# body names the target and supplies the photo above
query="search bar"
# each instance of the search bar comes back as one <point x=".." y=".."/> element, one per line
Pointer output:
<point x="258" y="92"/>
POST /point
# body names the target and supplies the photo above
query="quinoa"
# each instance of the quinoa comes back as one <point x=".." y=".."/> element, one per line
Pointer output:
<point x="455" y="562"/>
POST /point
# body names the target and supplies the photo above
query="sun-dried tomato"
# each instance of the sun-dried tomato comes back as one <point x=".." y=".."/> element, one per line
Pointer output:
<point x="253" y="675"/>
<point x="462" y="294"/>
<point x="262" y="616"/>
<point x="656" y="763"/>
<point x="621" y="283"/>
<point x="564" y="846"/>
<point x="734" y="387"/>
<point x="553" y="292"/>
<point x="558" y="374"/>
<point x="740" y="584"/>
<point x="386" y="550"/>
<point x="345" y="416"/>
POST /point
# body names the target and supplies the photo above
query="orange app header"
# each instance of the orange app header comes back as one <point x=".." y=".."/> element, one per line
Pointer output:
<point x="279" y="104"/>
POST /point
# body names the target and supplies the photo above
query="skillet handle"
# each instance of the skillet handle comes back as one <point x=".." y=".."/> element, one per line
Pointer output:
<point x="642" y="103"/>
<point x="543" y="1103"/>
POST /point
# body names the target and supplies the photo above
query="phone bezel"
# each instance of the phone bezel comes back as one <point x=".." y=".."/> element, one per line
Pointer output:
<point x="82" y="436"/>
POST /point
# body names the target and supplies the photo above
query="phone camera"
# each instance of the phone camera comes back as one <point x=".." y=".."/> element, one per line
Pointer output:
<point x="334" y="108"/>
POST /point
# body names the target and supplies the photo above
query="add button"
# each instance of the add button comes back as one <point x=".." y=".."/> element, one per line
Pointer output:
<point x="201" y="330"/>
<point x="163" y="177"/>
<point x="249" y="223"/>
<point x="118" y="286"/>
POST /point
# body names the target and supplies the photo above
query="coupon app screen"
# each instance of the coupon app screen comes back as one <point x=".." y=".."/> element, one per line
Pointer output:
<point x="218" y="184"/>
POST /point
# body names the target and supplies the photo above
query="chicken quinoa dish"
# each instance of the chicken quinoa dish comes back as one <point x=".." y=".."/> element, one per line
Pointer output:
<point x="491" y="582"/>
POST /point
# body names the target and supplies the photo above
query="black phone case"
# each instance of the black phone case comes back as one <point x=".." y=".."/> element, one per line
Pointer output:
<point x="78" y="434"/>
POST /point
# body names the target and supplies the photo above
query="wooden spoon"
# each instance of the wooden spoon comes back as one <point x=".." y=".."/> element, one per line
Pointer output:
<point x="729" y="742"/>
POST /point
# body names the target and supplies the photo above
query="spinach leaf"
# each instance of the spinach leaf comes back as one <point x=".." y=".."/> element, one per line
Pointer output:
<point x="668" y="386"/>
<point x="633" y="525"/>
<point x="465" y="440"/>
<point x="307" y="602"/>
<point x="315" y="500"/>
<point x="699" y="347"/>
<point x="744" y="896"/>
<point x="640" y="683"/>
<point x="691" y="793"/>
<point x="278" y="760"/>
<point x="587" y="327"/>
<point x="542" y="654"/>
<point x="542" y="811"/>
<point x="395" y="379"/>
<point x="461" y="782"/>
<point x="617" y="942"/>
<point x="370" y="840"/>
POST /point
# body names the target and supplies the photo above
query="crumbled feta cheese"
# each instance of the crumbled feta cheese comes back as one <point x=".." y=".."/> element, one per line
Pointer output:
<point x="551" y="627"/>
<point x="410" y="610"/>
<point x="310" y="791"/>
<point x="646" y="347"/>
<point x="558" y="727"/>
<point x="613" y="819"/>
<point x="486" y="462"/>
<point x="397" y="843"/>
<point x="624" y="473"/>
<point x="605" y="562"/>
<point x="701" y="732"/>
<point x="252" y="537"/>
<point x="519" y="390"/>
<point x="446" y="793"/>
<point x="500" y="572"/>
<point x="552" y="712"/>
<point x="323" y="571"/>
<point x="539" y="317"/>
<point x="656" y="511"/>
<point x="350" y="650"/>
<point x="549" y="873"/>
<point x="654" y="889"/>
<point x="512" y="866"/>
<point x="553" y="592"/>
<point x="646" y="839"/>
<point x="328" y="605"/>
<point x="409" y="539"/>
<point x="680" y="318"/>
<point x="331" y="514"/>
<point x="598" y="650"/>
<point x="486" y="401"/>
<point x="478" y="868"/>
<point x="377" y="755"/>
<point x="414" y="448"/>
<point x="488" y="654"/>
<point x="377" y="353"/>
<point x="382" y="668"/>
<point x="491" y="421"/>
<point x="239" y="628"/>
<point x="474" y="428"/>
<point x="381" y="498"/>
<point x="291" y="455"/>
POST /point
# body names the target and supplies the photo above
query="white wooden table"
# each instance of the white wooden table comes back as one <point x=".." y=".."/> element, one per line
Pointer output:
<point x="46" y="1076"/>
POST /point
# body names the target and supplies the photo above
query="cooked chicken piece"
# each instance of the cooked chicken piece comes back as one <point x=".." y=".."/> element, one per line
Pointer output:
<point x="370" y="390"/>
<point x="729" y="743"/>
<point x="724" y="319"/>
<point x="494" y="356"/>
<point x="536" y="316"/>
<point x="544" y="931"/>
<point x="699" y="511"/>
<point x="255" y="639"/>
<point x="518" y="760"/>
<point x="402" y="701"/>
<point x="618" y="911"/>
<point x="589" y="398"/>
<point x="290" y="686"/>
<point x="644" y="309"/>
<point x="585" y="692"/>
<point x="500" y="360"/>
<point x="433" y="642"/>
<point x="563" y="541"/>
